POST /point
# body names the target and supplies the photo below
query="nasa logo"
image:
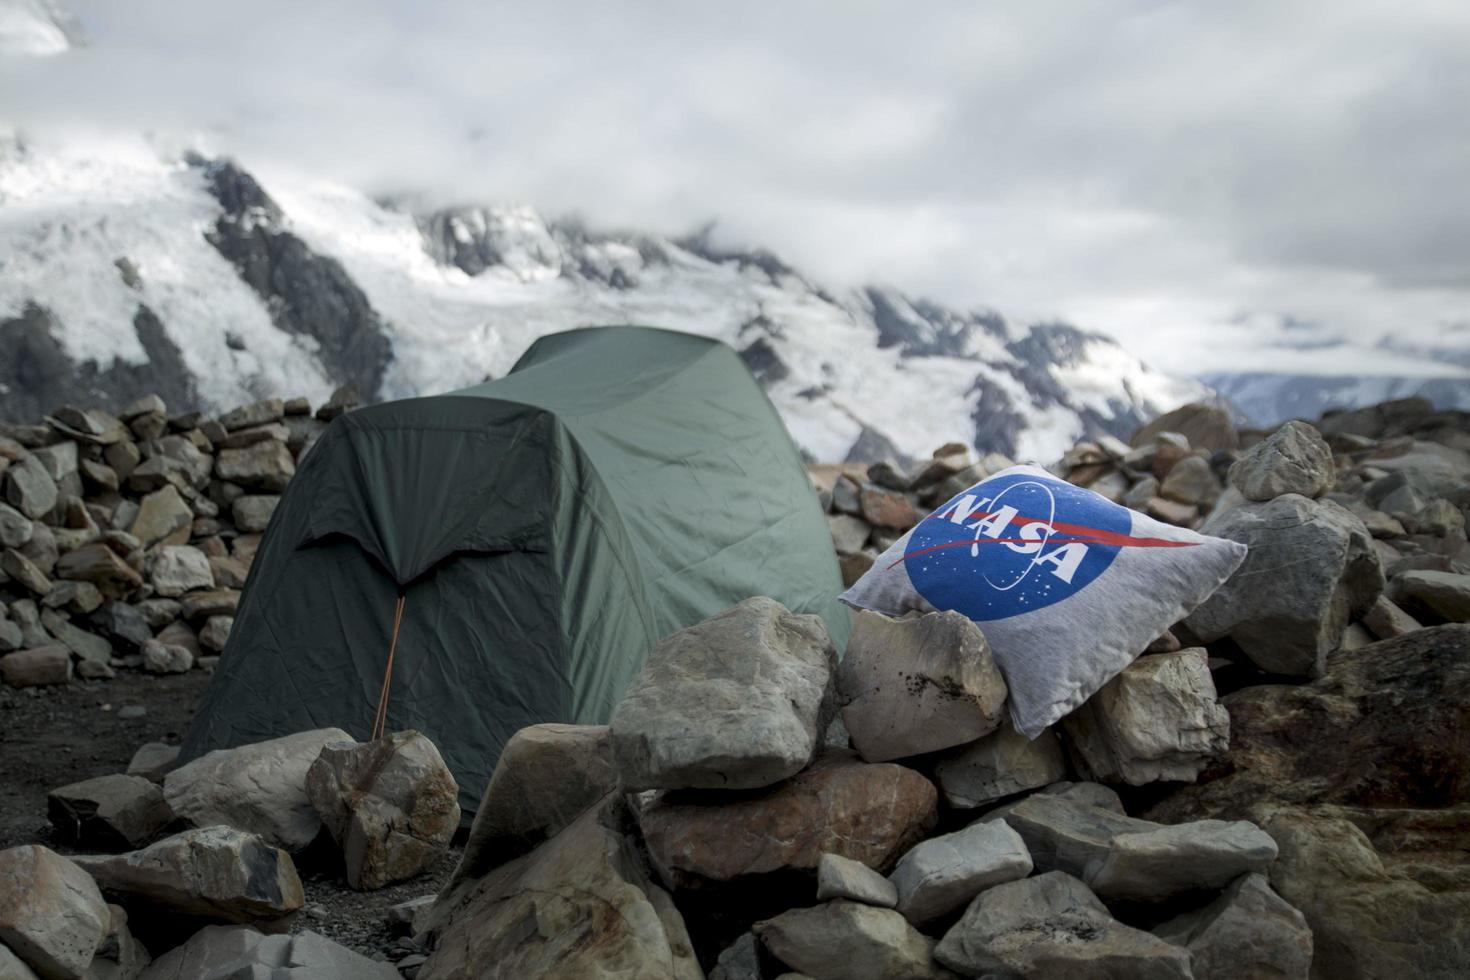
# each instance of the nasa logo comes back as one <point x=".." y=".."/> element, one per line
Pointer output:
<point x="1014" y="544"/>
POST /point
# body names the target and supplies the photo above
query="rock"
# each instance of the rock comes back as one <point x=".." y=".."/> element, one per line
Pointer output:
<point x="1347" y="738"/>
<point x="1311" y="569"/>
<point x="1141" y="493"/>
<point x="843" y="940"/>
<point x="400" y="917"/>
<point x="849" y="533"/>
<point x="166" y="658"/>
<point x="546" y="777"/>
<point x="74" y="597"/>
<point x="174" y="570"/>
<point x="29" y="487"/>
<point x="51" y="914"/>
<point x="15" y="528"/>
<point x="12" y="637"/>
<point x="91" y="425"/>
<point x="1386" y="620"/>
<point x="1293" y="459"/>
<point x="1205" y="426"/>
<point x="867" y="812"/>
<point x="229" y="573"/>
<point x="216" y="632"/>
<point x="1445" y="594"/>
<point x="854" y="567"/>
<point x="160" y="612"/>
<point x="86" y="647"/>
<point x="24" y="572"/>
<point x="153" y="761"/>
<point x="178" y="634"/>
<point x="110" y="812"/>
<point x="217" y="874"/>
<point x="1249" y="931"/>
<point x="161" y="515"/>
<point x="252" y="512"/>
<point x="1366" y="922"/>
<point x="1191" y="481"/>
<point x="266" y="466"/>
<point x="390" y="805"/>
<point x="735" y="702"/>
<point x="1054" y="926"/>
<point x="254" y="434"/>
<point x="216" y="602"/>
<point x="1157" y="864"/>
<point x="840" y="877"/>
<point x="887" y="508"/>
<point x="259" y="788"/>
<point x="256" y="413"/>
<point x="942" y="874"/>
<point x="25" y="614"/>
<point x="41" y="550"/>
<point x="120" y="957"/>
<point x="242" y="953"/>
<point x="600" y="915"/>
<point x="1157" y="720"/>
<point x="12" y="967"/>
<point x="918" y="684"/>
<point x="1093" y="794"/>
<point x="37" y="667"/>
<point x="740" y="960"/>
<point x="1171" y="512"/>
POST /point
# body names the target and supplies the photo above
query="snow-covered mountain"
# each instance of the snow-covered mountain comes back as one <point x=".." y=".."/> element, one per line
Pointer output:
<point x="127" y="268"/>
<point x="1265" y="398"/>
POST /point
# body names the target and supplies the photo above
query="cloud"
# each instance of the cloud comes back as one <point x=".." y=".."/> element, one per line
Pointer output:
<point x="1154" y="169"/>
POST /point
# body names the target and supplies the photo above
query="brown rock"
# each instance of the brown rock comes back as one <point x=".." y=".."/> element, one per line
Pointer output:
<point x="1205" y="425"/>
<point x="98" y="564"/>
<point x="887" y="508"/>
<point x="161" y="514"/>
<point x="51" y="913"/>
<point x="36" y="668"/>
<point x="264" y="466"/>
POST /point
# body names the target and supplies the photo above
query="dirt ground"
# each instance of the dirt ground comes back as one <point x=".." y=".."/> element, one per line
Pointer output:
<point x="50" y="737"/>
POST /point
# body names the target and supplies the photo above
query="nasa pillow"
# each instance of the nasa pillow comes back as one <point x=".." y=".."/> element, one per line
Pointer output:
<point x="1067" y="586"/>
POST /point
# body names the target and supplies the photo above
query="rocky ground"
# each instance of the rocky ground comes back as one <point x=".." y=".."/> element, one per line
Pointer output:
<point x="1277" y="785"/>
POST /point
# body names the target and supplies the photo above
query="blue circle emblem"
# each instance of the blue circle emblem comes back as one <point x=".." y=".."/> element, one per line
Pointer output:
<point x="1014" y="544"/>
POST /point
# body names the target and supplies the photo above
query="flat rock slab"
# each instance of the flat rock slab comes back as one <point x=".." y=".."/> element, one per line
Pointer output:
<point x="840" y="877"/>
<point x="735" y="702"/>
<point x="1052" y="925"/>
<point x="842" y="940"/>
<point x="918" y="685"/>
<point x="869" y="812"/>
<point x="942" y="874"/>
<point x="210" y="873"/>
<point x="52" y="915"/>
<point x="1444" y="594"/>
<point x="1001" y="764"/>
<point x="260" y="788"/>
<point x="240" y="952"/>
<point x="112" y="812"/>
<point x="1249" y="931"/>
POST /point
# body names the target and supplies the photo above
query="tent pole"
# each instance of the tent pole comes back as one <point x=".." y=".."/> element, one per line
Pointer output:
<point x="380" y="719"/>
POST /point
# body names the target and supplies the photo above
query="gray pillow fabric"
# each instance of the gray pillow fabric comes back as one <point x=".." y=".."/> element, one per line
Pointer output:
<point x="1067" y="586"/>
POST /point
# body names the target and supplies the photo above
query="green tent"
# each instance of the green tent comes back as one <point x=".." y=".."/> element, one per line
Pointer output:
<point x="543" y="531"/>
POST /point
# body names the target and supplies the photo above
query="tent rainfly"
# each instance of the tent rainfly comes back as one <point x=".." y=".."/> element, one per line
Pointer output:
<point x="532" y="537"/>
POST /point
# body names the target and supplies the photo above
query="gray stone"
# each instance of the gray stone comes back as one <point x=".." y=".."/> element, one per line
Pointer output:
<point x="849" y="533"/>
<point x="216" y="632"/>
<point x="1248" y="932"/>
<point x="942" y="874"/>
<point x="1141" y="493"/>
<point x="252" y="512"/>
<point x="390" y="805"/>
<point x="213" y="873"/>
<point x="266" y="466"/>
<point x="215" y="602"/>
<point x="29" y="487"/>
<point x="41" y="550"/>
<point x="1171" y="512"/>
<point x="78" y="598"/>
<point x="918" y="684"/>
<point x="1054" y="926"/>
<point x="256" y="413"/>
<point x="1000" y="764"/>
<point x="166" y="658"/>
<point x="243" y="953"/>
<point x="1445" y="594"/>
<point x="143" y="406"/>
<point x="15" y="527"/>
<point x="739" y="961"/>
<point x="51" y="914"/>
<point x="1192" y="482"/>
<point x="843" y="940"/>
<point x="1157" y="720"/>
<point x="12" y="637"/>
<point x="1386" y="620"/>
<point x="102" y="567"/>
<point x="124" y="622"/>
<point x="153" y="761"/>
<point x="1311" y="570"/>
<point x="161" y="515"/>
<point x="546" y="777"/>
<point x="602" y="916"/>
<point x="37" y="667"/>
<point x="254" y="434"/>
<point x="23" y="572"/>
<point x="1093" y="794"/>
<point x="12" y="967"/>
<point x="1157" y="864"/>
<point x="1293" y="459"/>
<point x="259" y="788"/>
<point x="85" y="646"/>
<point x="176" y="569"/>
<point x="840" y="877"/>
<point x="735" y="702"/>
<point x="110" y="812"/>
<point x="120" y="956"/>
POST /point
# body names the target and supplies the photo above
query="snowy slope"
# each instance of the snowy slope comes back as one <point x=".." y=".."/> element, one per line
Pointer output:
<point x="267" y="282"/>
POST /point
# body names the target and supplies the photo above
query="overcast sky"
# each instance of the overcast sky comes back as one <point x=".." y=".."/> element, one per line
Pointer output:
<point x="1181" y="174"/>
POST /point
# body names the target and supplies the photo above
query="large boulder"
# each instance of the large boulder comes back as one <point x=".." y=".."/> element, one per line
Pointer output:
<point x="1444" y="595"/>
<point x="1311" y="570"/>
<point x="12" y="967"/>
<point x="1001" y="764"/>
<point x="1387" y="725"/>
<point x="580" y="905"/>
<point x="842" y="940"/>
<point x="243" y="953"/>
<point x="176" y="569"/>
<point x="1157" y="720"/>
<point x="917" y="685"/>
<point x="1205" y="426"/>
<point x="390" y="804"/>
<point x="114" y="811"/>
<point x="30" y="488"/>
<point x="546" y="777"/>
<point x="940" y="875"/>
<point x="51" y="914"/>
<point x="868" y="812"/>
<point x="1052" y="925"/>
<point x="736" y="702"/>
<point x="266" y="466"/>
<point x="210" y="873"/>
<point x="1249" y="931"/>
<point x="1293" y="459"/>
<point x="260" y="788"/>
